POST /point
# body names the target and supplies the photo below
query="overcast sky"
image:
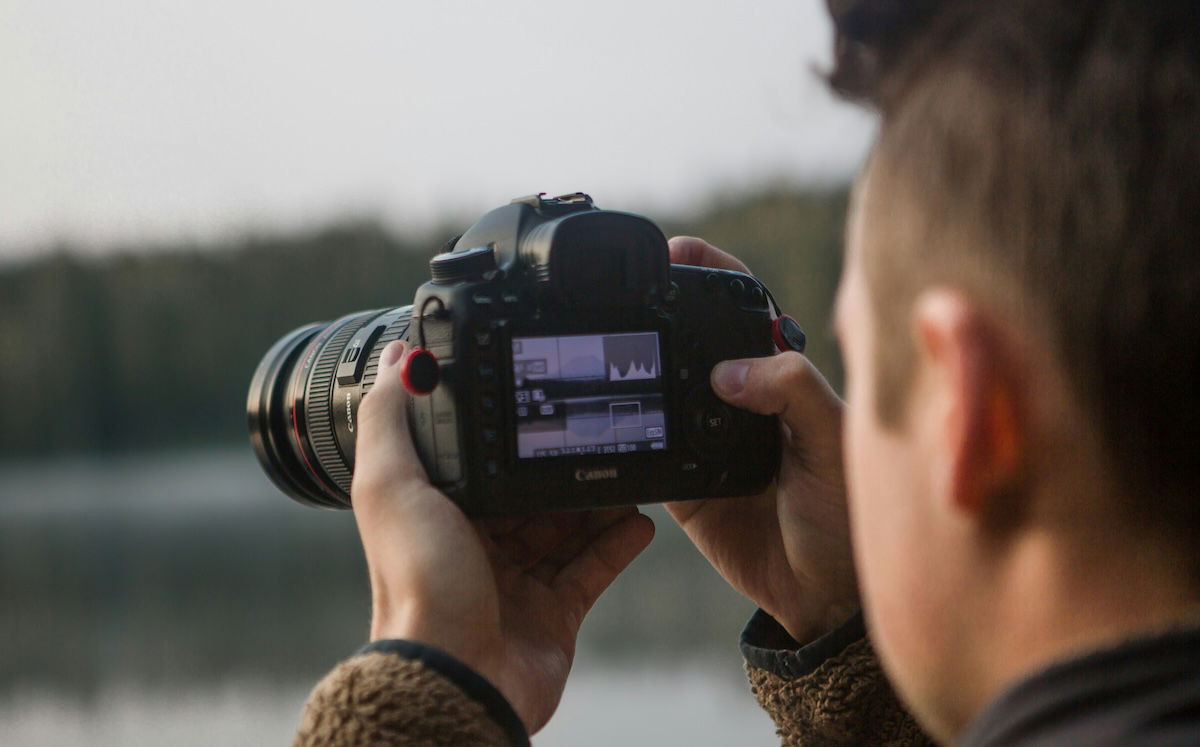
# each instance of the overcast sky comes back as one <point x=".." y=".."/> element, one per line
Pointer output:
<point x="148" y="120"/>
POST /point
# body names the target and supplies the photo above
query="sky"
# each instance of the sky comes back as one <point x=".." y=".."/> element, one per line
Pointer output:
<point x="150" y="121"/>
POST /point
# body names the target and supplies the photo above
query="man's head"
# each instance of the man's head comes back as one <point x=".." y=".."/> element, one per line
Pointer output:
<point x="1021" y="305"/>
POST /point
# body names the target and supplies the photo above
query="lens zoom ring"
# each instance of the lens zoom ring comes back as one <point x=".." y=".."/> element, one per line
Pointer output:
<point x="320" y="405"/>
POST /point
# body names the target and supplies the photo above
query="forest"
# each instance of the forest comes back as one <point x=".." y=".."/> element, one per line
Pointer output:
<point x="153" y="347"/>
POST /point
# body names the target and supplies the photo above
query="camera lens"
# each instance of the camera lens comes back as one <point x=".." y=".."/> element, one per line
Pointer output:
<point x="290" y="408"/>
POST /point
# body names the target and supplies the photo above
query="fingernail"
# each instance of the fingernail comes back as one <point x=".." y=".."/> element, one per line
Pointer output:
<point x="729" y="377"/>
<point x="392" y="353"/>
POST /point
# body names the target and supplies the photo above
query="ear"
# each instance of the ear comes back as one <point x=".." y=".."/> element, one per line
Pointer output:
<point x="974" y="383"/>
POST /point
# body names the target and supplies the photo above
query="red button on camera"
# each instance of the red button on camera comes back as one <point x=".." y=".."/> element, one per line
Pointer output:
<point x="787" y="334"/>
<point x="420" y="371"/>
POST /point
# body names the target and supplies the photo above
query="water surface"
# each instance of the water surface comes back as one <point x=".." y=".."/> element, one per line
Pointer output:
<point x="178" y="599"/>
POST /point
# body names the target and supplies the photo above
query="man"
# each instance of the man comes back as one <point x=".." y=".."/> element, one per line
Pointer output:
<point x="1020" y="319"/>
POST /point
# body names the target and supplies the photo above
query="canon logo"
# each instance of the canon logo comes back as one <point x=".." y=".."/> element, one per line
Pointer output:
<point x="349" y="414"/>
<point x="587" y="475"/>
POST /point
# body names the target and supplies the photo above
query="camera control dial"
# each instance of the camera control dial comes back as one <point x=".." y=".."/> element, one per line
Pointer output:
<point x="451" y="267"/>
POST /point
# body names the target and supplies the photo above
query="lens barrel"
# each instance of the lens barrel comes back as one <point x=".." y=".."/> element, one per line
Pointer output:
<point x="290" y="405"/>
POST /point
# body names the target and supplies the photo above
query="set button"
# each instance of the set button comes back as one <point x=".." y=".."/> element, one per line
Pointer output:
<point x="712" y="422"/>
<point x="709" y="420"/>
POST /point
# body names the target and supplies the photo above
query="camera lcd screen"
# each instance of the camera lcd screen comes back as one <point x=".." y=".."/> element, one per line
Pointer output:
<point x="588" y="394"/>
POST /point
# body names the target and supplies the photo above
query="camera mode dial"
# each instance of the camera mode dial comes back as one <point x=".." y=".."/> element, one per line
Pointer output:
<point x="451" y="267"/>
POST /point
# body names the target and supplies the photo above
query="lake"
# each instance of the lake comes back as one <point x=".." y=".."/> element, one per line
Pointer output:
<point x="179" y="599"/>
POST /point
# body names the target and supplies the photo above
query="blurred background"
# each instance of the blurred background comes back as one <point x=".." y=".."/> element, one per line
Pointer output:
<point x="180" y="184"/>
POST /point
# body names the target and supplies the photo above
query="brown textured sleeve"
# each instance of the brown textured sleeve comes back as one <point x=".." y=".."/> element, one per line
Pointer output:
<point x="846" y="700"/>
<point x="382" y="699"/>
<point x="829" y="691"/>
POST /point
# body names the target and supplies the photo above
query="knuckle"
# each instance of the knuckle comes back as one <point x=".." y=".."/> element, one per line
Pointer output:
<point x="577" y="594"/>
<point x="375" y="484"/>
<point x="794" y="371"/>
<point x="368" y="485"/>
<point x="370" y="411"/>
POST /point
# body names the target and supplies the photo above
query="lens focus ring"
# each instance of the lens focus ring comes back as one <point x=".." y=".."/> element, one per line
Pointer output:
<point x="319" y="398"/>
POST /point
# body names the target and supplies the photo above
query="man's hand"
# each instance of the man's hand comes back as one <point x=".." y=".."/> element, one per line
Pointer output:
<point x="504" y="597"/>
<point x="788" y="549"/>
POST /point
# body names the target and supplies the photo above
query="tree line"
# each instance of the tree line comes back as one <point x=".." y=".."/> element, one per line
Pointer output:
<point x="151" y="349"/>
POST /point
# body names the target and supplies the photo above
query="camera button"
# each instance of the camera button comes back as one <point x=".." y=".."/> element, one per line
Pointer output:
<point x="671" y="297"/>
<point x="420" y="371"/>
<point x="709" y="420"/>
<point x="712" y="281"/>
<point x="491" y="468"/>
<point x="482" y="299"/>
<point x="487" y="403"/>
<point x="787" y="334"/>
<point x="714" y="421"/>
<point x="490" y="436"/>
<point x="737" y="288"/>
<point x="449" y="467"/>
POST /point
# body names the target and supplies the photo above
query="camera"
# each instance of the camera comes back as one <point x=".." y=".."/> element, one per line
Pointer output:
<point x="561" y="362"/>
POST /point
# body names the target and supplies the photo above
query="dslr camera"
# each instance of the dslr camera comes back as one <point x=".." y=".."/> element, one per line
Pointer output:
<point x="560" y="362"/>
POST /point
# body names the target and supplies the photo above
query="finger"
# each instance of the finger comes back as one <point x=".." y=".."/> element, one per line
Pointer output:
<point x="584" y="579"/>
<point x="706" y="521"/>
<point x="787" y="385"/>
<point x="688" y="250"/>
<point x="683" y="511"/>
<point x="385" y="454"/>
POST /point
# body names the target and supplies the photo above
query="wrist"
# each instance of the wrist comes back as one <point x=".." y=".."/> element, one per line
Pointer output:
<point x="458" y="636"/>
<point x="482" y="690"/>
<point x="812" y="624"/>
<point x="408" y="625"/>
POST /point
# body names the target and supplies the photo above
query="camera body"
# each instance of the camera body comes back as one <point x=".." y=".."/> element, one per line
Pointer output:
<point x="573" y="366"/>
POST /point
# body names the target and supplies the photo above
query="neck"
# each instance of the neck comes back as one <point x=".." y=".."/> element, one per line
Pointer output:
<point x="1056" y="595"/>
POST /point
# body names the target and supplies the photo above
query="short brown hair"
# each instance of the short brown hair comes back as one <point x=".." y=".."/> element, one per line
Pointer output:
<point x="1064" y="137"/>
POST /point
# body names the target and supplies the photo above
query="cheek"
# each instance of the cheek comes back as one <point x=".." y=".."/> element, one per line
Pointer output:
<point x="870" y="482"/>
<point x="873" y="484"/>
<point x="885" y="525"/>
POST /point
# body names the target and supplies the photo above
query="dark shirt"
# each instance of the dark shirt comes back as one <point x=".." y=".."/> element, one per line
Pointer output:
<point x="1142" y="692"/>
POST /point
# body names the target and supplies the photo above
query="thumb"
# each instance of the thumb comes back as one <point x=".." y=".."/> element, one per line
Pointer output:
<point x="787" y="385"/>
<point x="384" y="453"/>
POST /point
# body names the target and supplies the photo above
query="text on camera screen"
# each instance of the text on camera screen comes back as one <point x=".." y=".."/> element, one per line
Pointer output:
<point x="588" y="394"/>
